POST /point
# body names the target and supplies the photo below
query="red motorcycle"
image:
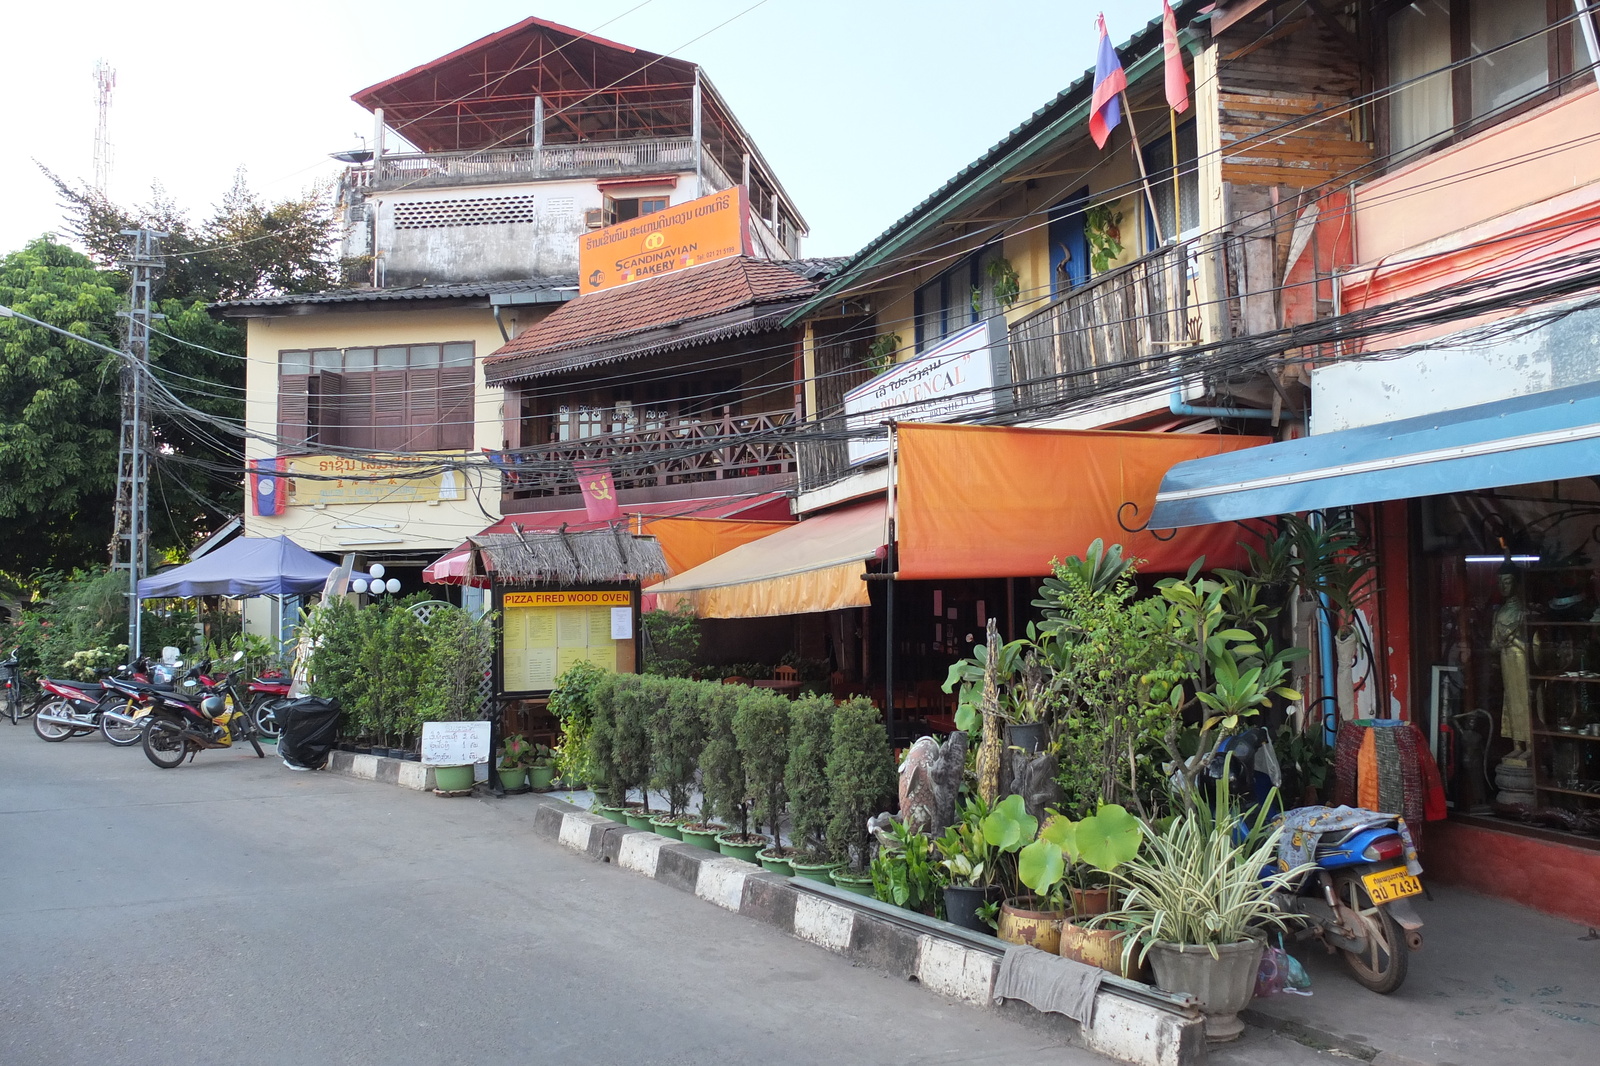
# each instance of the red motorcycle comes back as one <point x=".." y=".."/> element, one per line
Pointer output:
<point x="264" y="694"/>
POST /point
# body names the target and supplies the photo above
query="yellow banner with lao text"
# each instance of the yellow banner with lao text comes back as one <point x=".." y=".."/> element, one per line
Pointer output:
<point x="684" y="235"/>
<point x="332" y="479"/>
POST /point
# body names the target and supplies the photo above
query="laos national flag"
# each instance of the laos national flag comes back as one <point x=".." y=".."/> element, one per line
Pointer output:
<point x="1105" y="110"/>
<point x="267" y="486"/>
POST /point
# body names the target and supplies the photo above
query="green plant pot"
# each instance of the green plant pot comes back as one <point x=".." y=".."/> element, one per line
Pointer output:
<point x="747" y="852"/>
<point x="815" y="871"/>
<point x="452" y="778"/>
<point x="667" y="825"/>
<point x="541" y="776"/>
<point x="516" y="777"/>
<point x="850" y="882"/>
<point x="702" y="838"/>
<point x="616" y="814"/>
<point x="639" y="818"/>
<point x="774" y="865"/>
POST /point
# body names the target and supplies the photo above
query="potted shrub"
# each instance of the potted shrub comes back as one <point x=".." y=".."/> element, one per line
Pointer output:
<point x="908" y="872"/>
<point x="447" y="675"/>
<point x="572" y="703"/>
<point x="1093" y="849"/>
<point x="633" y="700"/>
<point x="805" y="781"/>
<point x="1195" y="903"/>
<point x="611" y="792"/>
<point x="1031" y="859"/>
<point x="677" y="733"/>
<point x="761" y="727"/>
<point x="513" y="768"/>
<point x="970" y="867"/>
<point x="540" y="762"/>
<point x="723" y="789"/>
<point x="861" y="780"/>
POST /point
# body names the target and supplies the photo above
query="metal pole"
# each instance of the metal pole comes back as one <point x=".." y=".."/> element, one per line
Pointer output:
<point x="699" y="150"/>
<point x="1587" y="22"/>
<point x="892" y="563"/>
<point x="133" y="498"/>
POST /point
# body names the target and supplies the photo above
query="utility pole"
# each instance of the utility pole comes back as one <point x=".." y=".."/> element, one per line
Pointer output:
<point x="130" y="534"/>
<point x="105" y="80"/>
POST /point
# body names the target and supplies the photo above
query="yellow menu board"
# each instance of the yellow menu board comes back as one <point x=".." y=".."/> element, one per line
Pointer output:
<point x="544" y="633"/>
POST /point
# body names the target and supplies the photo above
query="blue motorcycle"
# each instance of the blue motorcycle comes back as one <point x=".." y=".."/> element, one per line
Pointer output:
<point x="1358" y="901"/>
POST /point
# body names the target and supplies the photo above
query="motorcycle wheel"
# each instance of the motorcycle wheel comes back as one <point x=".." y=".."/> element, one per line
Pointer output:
<point x="120" y="733"/>
<point x="263" y="715"/>
<point x="51" y="731"/>
<point x="164" y="744"/>
<point x="1382" y="967"/>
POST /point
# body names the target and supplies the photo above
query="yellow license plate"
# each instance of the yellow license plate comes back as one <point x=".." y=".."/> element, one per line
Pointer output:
<point x="142" y="712"/>
<point x="1389" y="885"/>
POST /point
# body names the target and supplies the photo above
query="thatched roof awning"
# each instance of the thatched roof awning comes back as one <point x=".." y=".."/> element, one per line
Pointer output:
<point x="595" y="556"/>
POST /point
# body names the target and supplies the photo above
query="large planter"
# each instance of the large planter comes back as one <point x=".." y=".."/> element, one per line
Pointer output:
<point x="775" y="864"/>
<point x="1099" y="947"/>
<point x="860" y="883"/>
<point x="541" y="776"/>
<point x="1223" y="985"/>
<point x="452" y="778"/>
<point x="741" y="845"/>
<point x="815" y="871"/>
<point x="1030" y="736"/>
<point x="961" y="903"/>
<point x="616" y="814"/>
<point x="639" y="817"/>
<point x="667" y="825"/>
<point x="702" y="835"/>
<point x="1040" y="929"/>
<point x="516" y="777"/>
<point x="1088" y="902"/>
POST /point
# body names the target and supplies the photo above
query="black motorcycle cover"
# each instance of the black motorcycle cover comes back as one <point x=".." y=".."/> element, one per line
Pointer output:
<point x="309" y="727"/>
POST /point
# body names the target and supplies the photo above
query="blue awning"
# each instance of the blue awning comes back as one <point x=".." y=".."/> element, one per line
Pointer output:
<point x="1541" y="437"/>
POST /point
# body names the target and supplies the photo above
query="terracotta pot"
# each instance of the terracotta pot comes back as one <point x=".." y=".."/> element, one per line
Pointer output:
<point x="1088" y="902"/>
<point x="1040" y="929"/>
<point x="1224" y="985"/>
<point x="1100" y="947"/>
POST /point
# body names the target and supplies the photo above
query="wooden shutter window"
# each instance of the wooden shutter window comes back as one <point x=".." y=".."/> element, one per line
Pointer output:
<point x="324" y="400"/>
<point x="389" y="428"/>
<point x="355" y="412"/>
<point x="455" y="408"/>
<point x="422" y="410"/>
<point x="292" y="401"/>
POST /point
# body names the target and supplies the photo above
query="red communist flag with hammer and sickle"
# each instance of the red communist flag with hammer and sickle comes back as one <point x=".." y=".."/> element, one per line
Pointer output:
<point x="599" y="491"/>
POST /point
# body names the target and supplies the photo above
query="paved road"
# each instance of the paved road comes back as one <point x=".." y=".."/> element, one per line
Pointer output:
<point x="232" y="912"/>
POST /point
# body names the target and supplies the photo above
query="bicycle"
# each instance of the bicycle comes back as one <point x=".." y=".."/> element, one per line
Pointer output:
<point x="18" y="695"/>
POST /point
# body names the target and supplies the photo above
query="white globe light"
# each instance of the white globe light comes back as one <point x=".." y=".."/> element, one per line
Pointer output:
<point x="359" y="585"/>
<point x="376" y="569"/>
<point x="375" y="588"/>
<point x="393" y="584"/>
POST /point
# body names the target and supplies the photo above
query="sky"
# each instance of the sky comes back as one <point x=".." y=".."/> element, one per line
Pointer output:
<point x="862" y="107"/>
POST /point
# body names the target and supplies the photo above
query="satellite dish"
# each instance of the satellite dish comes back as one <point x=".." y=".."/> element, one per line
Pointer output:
<point x="353" y="155"/>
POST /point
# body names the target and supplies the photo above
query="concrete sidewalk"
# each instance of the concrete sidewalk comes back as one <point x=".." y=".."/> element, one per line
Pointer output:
<point x="1494" y="983"/>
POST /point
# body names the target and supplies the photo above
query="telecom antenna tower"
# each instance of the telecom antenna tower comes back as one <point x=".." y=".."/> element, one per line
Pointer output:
<point x="105" y="80"/>
<point x="130" y="534"/>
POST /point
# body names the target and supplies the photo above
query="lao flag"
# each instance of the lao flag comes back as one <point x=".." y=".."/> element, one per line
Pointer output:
<point x="599" y="491"/>
<point x="1105" y="112"/>
<point x="266" y="487"/>
<point x="1177" y="79"/>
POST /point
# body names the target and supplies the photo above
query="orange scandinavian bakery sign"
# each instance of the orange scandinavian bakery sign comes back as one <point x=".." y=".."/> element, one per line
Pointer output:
<point x="685" y="235"/>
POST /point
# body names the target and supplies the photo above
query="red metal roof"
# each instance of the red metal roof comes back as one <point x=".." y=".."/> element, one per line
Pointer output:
<point x="592" y="328"/>
<point x="481" y="94"/>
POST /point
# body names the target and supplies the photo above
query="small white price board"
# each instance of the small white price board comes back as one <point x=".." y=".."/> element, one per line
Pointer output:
<point x="622" y="623"/>
<point x="454" y="743"/>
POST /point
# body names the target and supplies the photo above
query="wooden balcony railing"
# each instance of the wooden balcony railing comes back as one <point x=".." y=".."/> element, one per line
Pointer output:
<point x="732" y="446"/>
<point x="643" y="155"/>
<point x="1119" y="328"/>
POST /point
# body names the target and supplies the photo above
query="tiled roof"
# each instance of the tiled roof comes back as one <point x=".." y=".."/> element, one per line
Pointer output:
<point x="453" y="291"/>
<point x="727" y="298"/>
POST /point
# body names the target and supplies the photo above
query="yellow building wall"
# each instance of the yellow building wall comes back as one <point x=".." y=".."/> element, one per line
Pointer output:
<point x="377" y="528"/>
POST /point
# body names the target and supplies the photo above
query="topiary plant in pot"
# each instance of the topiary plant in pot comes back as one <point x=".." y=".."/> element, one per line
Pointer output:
<point x="805" y="780"/>
<point x="611" y="791"/>
<point x="1195" y="903"/>
<point x="572" y="703"/>
<point x="635" y="698"/>
<point x="761" y="727"/>
<point x="722" y="780"/>
<point x="677" y="733"/>
<point x="861" y="782"/>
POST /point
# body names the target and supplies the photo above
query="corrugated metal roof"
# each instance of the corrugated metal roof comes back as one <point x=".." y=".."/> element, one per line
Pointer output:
<point x="451" y="291"/>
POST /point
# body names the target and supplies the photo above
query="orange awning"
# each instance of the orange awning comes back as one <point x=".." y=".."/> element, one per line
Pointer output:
<point x="814" y="565"/>
<point x="688" y="542"/>
<point x="1000" y="501"/>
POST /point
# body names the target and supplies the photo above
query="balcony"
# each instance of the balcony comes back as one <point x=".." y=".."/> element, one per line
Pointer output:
<point x="652" y="461"/>
<point x="594" y="159"/>
<point x="1116" y="331"/>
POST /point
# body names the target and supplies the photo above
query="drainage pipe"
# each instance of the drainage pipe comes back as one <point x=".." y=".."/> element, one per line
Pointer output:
<point x="1178" y="407"/>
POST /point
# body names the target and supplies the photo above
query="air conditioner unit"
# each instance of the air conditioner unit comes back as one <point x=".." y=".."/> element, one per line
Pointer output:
<point x="594" y="218"/>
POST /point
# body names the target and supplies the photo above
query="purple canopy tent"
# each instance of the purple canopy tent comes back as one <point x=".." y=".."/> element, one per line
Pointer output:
<point x="247" y="566"/>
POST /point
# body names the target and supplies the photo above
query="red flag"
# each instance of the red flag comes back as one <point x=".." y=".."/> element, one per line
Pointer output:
<point x="599" y="491"/>
<point x="1177" y="78"/>
<point x="1105" y="110"/>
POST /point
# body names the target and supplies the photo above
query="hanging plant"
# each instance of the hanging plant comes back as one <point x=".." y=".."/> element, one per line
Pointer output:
<point x="880" y="353"/>
<point x="1004" y="282"/>
<point x="1102" y="228"/>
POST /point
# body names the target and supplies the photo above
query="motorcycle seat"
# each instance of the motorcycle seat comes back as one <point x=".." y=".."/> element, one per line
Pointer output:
<point x="81" y="686"/>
